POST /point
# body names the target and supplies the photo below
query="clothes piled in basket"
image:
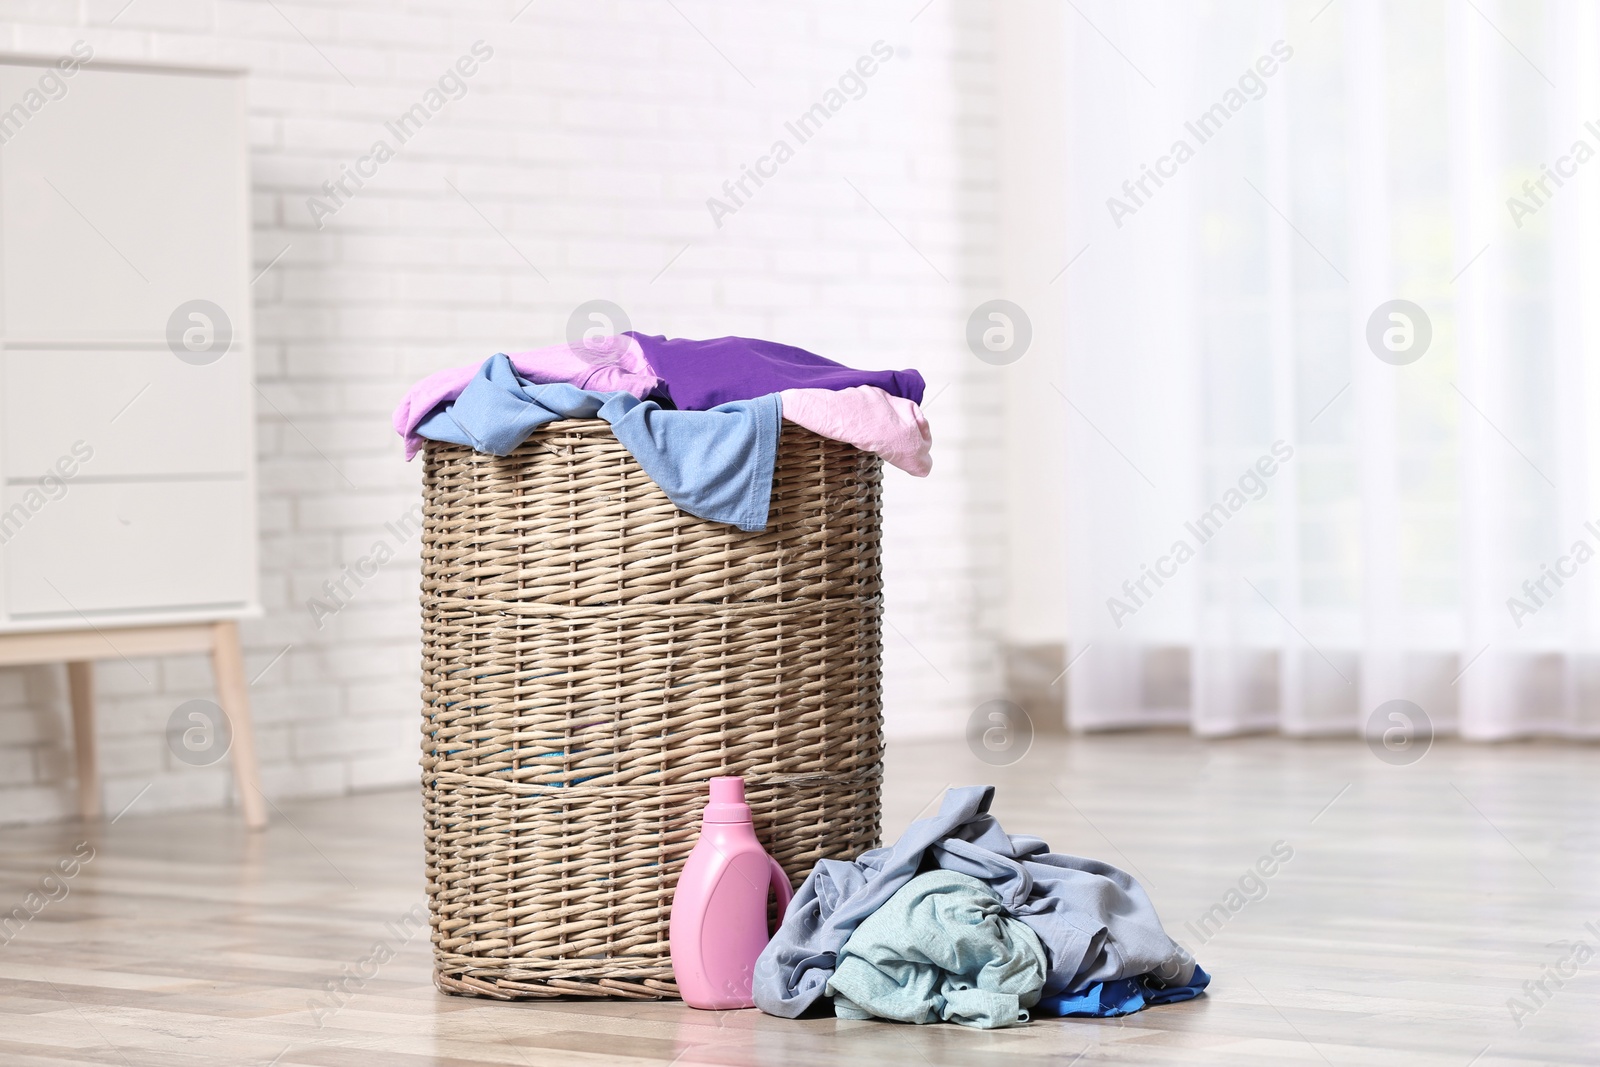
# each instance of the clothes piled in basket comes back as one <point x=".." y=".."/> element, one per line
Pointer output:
<point x="959" y="921"/>
<point x="702" y="417"/>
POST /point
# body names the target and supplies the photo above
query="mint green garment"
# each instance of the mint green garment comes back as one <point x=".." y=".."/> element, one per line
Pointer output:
<point x="940" y="948"/>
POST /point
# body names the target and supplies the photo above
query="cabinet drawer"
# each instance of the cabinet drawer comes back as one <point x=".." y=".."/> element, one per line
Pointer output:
<point x="126" y="546"/>
<point x="140" y="412"/>
<point x="122" y="200"/>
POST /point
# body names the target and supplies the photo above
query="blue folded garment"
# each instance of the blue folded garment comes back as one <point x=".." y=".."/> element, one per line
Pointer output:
<point x="715" y="464"/>
<point x="1122" y="997"/>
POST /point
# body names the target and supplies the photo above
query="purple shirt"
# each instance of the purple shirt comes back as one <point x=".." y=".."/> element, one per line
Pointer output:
<point x="699" y="375"/>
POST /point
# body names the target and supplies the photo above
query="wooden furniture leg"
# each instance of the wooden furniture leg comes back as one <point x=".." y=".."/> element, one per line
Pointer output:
<point x="227" y="661"/>
<point x="80" y="648"/>
<point x="80" y="690"/>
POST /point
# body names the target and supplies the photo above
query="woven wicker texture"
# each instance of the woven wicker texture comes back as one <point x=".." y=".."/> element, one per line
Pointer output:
<point x="592" y="656"/>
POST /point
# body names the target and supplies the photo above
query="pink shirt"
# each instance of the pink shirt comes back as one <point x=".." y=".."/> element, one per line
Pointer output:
<point x="606" y="365"/>
<point x="867" y="417"/>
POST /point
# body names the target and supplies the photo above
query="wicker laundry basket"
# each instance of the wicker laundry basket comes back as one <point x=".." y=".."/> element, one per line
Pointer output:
<point x="592" y="656"/>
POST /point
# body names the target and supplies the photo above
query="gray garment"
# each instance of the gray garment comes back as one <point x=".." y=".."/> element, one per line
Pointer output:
<point x="941" y="949"/>
<point x="1095" y="922"/>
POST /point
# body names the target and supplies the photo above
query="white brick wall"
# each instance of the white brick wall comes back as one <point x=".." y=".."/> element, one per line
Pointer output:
<point x="590" y="141"/>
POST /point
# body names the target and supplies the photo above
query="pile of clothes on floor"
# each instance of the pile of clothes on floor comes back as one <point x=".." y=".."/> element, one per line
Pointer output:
<point x="701" y="417"/>
<point x="959" y="921"/>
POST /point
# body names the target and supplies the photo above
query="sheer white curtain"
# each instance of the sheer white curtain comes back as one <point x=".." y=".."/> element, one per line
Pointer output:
<point x="1279" y="514"/>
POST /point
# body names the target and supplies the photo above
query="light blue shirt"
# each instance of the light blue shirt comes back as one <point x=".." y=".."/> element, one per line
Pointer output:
<point x="715" y="464"/>
<point x="942" y="949"/>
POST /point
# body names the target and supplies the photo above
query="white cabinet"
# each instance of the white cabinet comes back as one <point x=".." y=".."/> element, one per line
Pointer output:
<point x="126" y="400"/>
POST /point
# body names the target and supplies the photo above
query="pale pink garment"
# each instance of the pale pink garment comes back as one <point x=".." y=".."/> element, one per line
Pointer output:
<point x="600" y="365"/>
<point x="867" y="417"/>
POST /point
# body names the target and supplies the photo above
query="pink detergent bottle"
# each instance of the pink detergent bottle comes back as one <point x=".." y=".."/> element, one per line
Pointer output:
<point x="719" y="911"/>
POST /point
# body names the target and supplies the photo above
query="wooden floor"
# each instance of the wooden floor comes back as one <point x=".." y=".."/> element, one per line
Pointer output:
<point x="1418" y="901"/>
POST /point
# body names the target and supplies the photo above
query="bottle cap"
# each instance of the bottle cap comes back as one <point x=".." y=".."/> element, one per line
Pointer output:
<point x="727" y="801"/>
